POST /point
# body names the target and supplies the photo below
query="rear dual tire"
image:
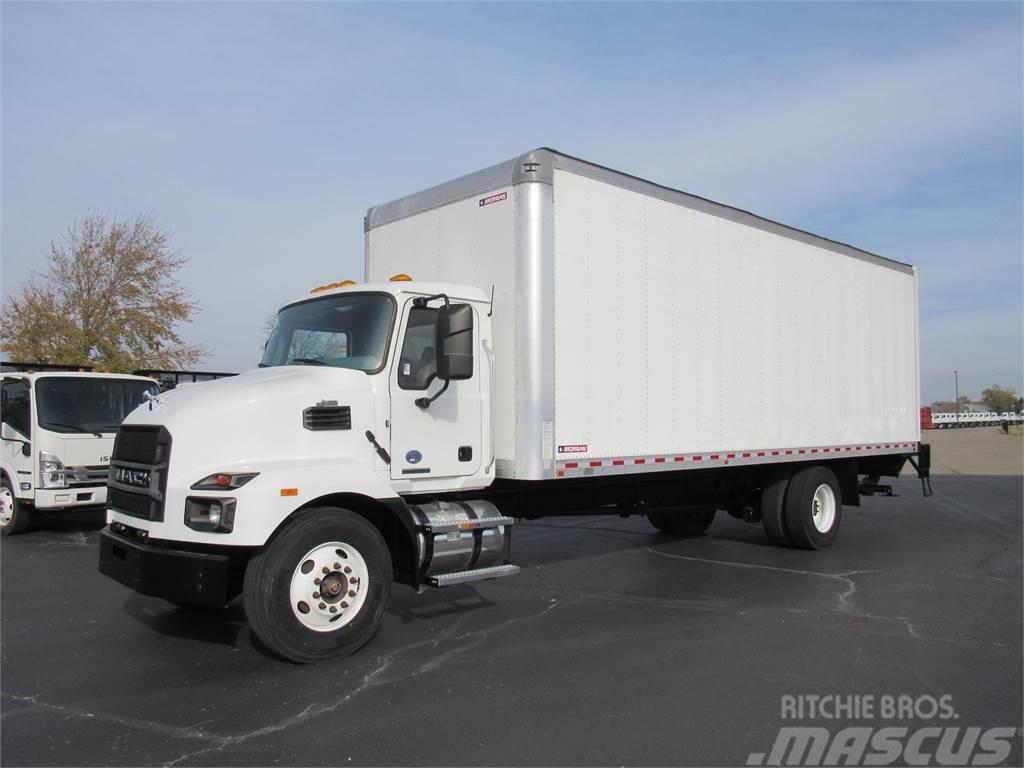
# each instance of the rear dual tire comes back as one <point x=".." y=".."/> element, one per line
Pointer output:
<point x="803" y="510"/>
<point x="683" y="522"/>
<point x="320" y="587"/>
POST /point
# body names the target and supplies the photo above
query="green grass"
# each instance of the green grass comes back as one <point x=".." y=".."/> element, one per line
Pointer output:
<point x="1017" y="429"/>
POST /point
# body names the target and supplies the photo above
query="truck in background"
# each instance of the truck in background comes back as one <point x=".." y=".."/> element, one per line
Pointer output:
<point x="58" y="427"/>
<point x="932" y="419"/>
<point x="575" y="340"/>
<point x="169" y="379"/>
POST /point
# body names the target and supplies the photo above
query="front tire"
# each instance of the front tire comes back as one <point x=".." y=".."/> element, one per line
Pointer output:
<point x="813" y="508"/>
<point x="683" y="522"/>
<point x="320" y="587"/>
<point x="15" y="517"/>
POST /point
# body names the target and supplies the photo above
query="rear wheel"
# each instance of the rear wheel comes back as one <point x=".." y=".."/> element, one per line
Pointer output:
<point x="773" y="507"/>
<point x="813" y="508"/>
<point x="683" y="522"/>
<point x="15" y="517"/>
<point x="320" y="587"/>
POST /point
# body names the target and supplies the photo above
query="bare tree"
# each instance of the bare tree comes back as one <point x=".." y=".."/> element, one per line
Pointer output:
<point x="108" y="298"/>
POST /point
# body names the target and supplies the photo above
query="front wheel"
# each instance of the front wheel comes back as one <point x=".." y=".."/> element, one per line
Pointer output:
<point x="813" y="508"/>
<point x="320" y="587"/>
<point x="14" y="516"/>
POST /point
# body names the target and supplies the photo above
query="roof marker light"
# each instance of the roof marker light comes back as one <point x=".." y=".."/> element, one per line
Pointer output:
<point x="401" y="277"/>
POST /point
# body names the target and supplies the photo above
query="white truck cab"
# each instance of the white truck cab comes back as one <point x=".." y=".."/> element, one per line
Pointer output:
<point x="58" y="431"/>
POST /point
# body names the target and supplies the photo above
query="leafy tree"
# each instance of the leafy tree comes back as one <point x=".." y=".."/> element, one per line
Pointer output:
<point x="108" y="298"/>
<point x="999" y="399"/>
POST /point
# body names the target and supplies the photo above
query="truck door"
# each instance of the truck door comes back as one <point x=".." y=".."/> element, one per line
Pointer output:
<point x="16" y="424"/>
<point x="443" y="439"/>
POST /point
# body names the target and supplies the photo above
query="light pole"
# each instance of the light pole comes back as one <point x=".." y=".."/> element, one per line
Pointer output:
<point x="956" y="388"/>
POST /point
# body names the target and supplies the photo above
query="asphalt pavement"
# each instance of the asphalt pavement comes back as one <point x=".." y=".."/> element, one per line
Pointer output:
<point x="616" y="645"/>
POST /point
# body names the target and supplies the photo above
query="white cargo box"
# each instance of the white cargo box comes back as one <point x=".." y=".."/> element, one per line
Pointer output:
<point x="640" y="328"/>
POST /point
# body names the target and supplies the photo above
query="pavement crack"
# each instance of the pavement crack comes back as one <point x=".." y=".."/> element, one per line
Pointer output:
<point x="843" y="598"/>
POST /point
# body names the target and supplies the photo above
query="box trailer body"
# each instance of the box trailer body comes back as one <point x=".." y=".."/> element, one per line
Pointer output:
<point x="543" y="337"/>
<point x="636" y="325"/>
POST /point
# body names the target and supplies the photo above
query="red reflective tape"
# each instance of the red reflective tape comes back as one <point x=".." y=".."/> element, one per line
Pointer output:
<point x="814" y="450"/>
<point x="802" y="451"/>
<point x="789" y="453"/>
<point x="730" y="455"/>
<point x="659" y="460"/>
<point x="618" y="463"/>
<point x="826" y="450"/>
<point x="639" y="461"/>
<point x="746" y="455"/>
<point x="858" y="447"/>
<point x="697" y="458"/>
<point x="713" y="456"/>
<point x="595" y="463"/>
<point x="680" y="458"/>
<point x="571" y="465"/>
<point x="775" y="453"/>
<point x="760" y="453"/>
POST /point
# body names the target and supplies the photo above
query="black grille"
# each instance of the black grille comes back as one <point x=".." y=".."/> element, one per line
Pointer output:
<point x="327" y="417"/>
<point x="142" y="445"/>
<point x="133" y="504"/>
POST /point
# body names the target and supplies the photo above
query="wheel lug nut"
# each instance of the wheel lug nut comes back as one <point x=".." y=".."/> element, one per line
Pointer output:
<point x="333" y="609"/>
<point x="352" y="593"/>
<point x="347" y="569"/>
<point x="326" y="570"/>
<point x="316" y="581"/>
<point x="337" y="566"/>
<point x="344" y="604"/>
<point x="321" y="606"/>
<point x="316" y="595"/>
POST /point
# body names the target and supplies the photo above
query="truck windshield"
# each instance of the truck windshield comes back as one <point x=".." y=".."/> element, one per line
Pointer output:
<point x="86" y="404"/>
<point x="347" y="331"/>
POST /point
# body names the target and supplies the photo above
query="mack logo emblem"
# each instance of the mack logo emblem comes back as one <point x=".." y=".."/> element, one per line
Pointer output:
<point x="136" y="477"/>
<point x="413" y="457"/>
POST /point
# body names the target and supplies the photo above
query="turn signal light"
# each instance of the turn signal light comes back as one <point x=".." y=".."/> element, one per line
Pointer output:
<point x="222" y="480"/>
<point x="289" y="491"/>
<point x="401" y="277"/>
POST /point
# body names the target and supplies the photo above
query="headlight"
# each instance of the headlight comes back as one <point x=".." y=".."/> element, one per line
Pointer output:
<point x="224" y="481"/>
<point x="210" y="514"/>
<point x="51" y="471"/>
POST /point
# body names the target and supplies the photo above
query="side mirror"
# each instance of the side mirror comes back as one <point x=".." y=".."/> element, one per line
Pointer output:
<point x="12" y="435"/>
<point x="454" y="342"/>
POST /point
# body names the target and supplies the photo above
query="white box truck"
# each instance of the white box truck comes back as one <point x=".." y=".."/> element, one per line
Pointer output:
<point x="58" y="426"/>
<point x="542" y="337"/>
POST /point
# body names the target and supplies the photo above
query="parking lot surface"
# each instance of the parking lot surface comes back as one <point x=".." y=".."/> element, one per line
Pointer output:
<point x="616" y="645"/>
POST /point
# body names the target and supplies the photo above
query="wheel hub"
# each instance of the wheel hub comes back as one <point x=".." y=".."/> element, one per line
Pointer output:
<point x="6" y="506"/>
<point x="328" y="586"/>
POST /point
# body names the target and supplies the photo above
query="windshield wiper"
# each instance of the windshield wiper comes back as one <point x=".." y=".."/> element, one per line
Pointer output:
<point x="307" y="361"/>
<point x="75" y="427"/>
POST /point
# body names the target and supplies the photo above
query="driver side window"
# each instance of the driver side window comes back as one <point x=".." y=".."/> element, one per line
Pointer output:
<point x="417" y="366"/>
<point x="16" y="410"/>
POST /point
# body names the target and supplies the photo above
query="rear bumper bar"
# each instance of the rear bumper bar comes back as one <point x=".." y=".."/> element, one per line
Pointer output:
<point x="196" y="578"/>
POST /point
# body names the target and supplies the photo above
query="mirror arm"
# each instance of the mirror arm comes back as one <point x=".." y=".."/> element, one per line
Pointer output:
<point x="424" y="402"/>
<point x="422" y="301"/>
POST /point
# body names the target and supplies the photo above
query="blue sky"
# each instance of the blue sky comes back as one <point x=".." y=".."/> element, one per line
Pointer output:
<point x="259" y="134"/>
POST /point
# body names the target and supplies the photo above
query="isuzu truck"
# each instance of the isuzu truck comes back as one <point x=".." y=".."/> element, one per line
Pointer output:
<point x="543" y="337"/>
<point x="58" y="431"/>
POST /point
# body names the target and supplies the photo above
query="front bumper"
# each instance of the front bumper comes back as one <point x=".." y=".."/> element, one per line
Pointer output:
<point x="195" y="578"/>
<point x="70" y="498"/>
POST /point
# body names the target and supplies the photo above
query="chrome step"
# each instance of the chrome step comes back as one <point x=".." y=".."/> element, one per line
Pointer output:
<point x="461" y="577"/>
<point x="467" y="525"/>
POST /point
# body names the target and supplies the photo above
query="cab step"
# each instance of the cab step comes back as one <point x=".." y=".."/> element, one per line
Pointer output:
<point x="477" y="574"/>
<point x="465" y="525"/>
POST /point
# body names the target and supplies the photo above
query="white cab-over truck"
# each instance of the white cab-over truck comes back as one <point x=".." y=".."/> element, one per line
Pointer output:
<point x="58" y="433"/>
<point x="572" y="339"/>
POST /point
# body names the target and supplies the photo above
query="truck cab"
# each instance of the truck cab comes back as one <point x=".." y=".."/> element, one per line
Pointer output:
<point x="366" y="396"/>
<point x="58" y="431"/>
